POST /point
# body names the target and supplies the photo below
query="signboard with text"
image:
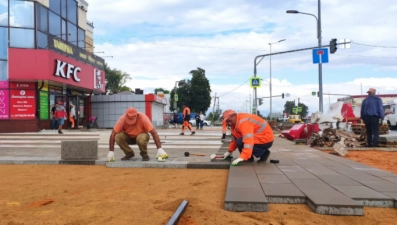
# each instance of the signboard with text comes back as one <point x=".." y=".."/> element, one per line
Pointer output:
<point x="44" y="108"/>
<point x="22" y="104"/>
<point x="4" y="105"/>
<point x="22" y="85"/>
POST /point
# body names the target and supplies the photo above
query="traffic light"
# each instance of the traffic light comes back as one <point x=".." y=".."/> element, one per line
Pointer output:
<point x="282" y="95"/>
<point x="333" y="46"/>
<point x="260" y="101"/>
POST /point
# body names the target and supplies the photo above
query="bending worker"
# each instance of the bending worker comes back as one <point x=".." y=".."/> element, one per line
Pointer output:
<point x="186" y="118"/>
<point x="133" y="128"/>
<point x="251" y="134"/>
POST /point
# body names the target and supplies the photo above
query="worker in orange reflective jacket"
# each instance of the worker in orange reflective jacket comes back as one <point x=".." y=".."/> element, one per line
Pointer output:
<point x="224" y="128"/>
<point x="251" y="134"/>
<point x="186" y="118"/>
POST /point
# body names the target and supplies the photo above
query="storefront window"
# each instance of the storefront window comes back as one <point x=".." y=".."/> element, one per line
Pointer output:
<point x="72" y="11"/>
<point x="64" y="32"/>
<point x="42" y="18"/>
<point x="55" y="24"/>
<point x="63" y="8"/>
<point x="72" y="30"/>
<point x="21" y="14"/>
<point x="81" y="38"/>
<point x="55" y="6"/>
<point x="21" y="38"/>
<point x="3" y="70"/>
<point x="3" y="12"/>
<point x="42" y="40"/>
<point x="3" y="42"/>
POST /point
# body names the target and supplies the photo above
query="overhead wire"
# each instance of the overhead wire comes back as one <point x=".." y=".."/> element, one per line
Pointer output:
<point x="235" y="88"/>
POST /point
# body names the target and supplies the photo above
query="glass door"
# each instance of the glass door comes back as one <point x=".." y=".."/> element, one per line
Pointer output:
<point x="80" y="110"/>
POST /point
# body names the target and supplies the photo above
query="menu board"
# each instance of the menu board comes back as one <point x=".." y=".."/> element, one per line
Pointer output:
<point x="44" y="108"/>
<point x="22" y="104"/>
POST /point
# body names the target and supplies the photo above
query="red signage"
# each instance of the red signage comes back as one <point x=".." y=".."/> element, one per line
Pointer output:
<point x="22" y="104"/>
<point x="22" y="85"/>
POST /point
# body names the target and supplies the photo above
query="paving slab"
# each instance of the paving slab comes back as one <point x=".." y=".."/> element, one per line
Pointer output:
<point x="273" y="178"/>
<point x="283" y="193"/>
<point x="391" y="179"/>
<point x="392" y="195"/>
<point x="381" y="186"/>
<point x="366" y="196"/>
<point x="323" y="199"/>
<point x="245" y="200"/>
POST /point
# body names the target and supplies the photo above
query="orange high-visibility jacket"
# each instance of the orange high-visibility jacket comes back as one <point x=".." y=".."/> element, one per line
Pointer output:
<point x="253" y="130"/>
<point x="186" y="112"/>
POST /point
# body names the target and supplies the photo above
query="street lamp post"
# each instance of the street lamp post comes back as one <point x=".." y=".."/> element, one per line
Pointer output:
<point x="320" y="67"/>
<point x="270" y="83"/>
<point x="176" y="82"/>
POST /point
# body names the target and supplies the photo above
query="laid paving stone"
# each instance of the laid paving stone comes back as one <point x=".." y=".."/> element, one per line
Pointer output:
<point x="323" y="199"/>
<point x="381" y="186"/>
<point x="338" y="180"/>
<point x="362" y="177"/>
<point x="79" y="150"/>
<point x="377" y="172"/>
<point x="266" y="168"/>
<point x="391" y="179"/>
<point x="273" y="178"/>
<point x="141" y="164"/>
<point x="245" y="200"/>
<point x="366" y="196"/>
<point x="208" y="165"/>
<point x="392" y="195"/>
<point x="283" y="193"/>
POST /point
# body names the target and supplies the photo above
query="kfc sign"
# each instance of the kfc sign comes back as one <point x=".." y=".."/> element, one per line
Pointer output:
<point x="65" y="70"/>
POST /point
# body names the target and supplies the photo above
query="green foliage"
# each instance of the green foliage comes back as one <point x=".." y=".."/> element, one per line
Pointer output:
<point x="288" y="107"/>
<point x="115" y="80"/>
<point x="305" y="110"/>
<point x="291" y="104"/>
<point x="161" y="90"/>
<point x="195" y="93"/>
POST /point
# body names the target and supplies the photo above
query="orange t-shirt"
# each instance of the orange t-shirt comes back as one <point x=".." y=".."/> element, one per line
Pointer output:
<point x="142" y="125"/>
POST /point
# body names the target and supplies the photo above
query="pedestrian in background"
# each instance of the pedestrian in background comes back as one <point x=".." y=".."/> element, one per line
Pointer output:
<point x="72" y="115"/>
<point x="372" y="114"/>
<point x="186" y="118"/>
<point x="202" y="118"/>
<point x="197" y="121"/>
<point x="54" y="122"/>
<point x="60" y="115"/>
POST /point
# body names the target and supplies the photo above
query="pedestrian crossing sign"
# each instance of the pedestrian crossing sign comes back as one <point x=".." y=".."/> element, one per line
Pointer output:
<point x="255" y="82"/>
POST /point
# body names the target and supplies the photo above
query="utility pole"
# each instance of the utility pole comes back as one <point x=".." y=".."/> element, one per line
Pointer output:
<point x="213" y="108"/>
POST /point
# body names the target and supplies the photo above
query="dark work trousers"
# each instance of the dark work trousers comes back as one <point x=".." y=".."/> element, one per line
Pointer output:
<point x="372" y="129"/>
<point x="258" y="150"/>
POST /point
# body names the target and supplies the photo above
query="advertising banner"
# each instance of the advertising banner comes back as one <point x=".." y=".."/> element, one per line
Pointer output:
<point x="22" y="104"/>
<point x="4" y="106"/>
<point x="44" y="108"/>
<point x="3" y="84"/>
<point x="22" y="85"/>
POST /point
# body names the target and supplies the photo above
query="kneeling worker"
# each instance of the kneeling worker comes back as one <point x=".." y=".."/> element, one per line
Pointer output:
<point x="251" y="134"/>
<point x="133" y="128"/>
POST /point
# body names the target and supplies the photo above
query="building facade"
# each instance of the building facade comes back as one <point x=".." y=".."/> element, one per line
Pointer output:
<point x="46" y="56"/>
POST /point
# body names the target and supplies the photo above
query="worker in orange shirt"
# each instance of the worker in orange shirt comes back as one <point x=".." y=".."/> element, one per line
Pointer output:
<point x="134" y="127"/>
<point x="251" y="134"/>
<point x="186" y="118"/>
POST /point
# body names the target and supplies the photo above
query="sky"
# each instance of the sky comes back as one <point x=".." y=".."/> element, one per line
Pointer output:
<point x="158" y="42"/>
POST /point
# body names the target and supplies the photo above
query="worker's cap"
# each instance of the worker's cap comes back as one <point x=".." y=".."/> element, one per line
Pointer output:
<point x="227" y="114"/>
<point x="371" y="90"/>
<point x="131" y="115"/>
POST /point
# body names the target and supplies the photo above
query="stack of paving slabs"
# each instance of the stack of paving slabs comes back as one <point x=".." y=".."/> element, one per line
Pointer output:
<point x="388" y="142"/>
<point x="359" y="129"/>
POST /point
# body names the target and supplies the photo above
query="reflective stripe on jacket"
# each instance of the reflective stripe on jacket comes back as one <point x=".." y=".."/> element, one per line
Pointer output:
<point x="253" y="130"/>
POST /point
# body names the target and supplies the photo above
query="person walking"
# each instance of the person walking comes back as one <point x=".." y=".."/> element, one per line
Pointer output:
<point x="54" y="122"/>
<point x="186" y="118"/>
<point x="60" y="115"/>
<point x="251" y="134"/>
<point x="372" y="114"/>
<point x="72" y="115"/>
<point x="202" y="118"/>
<point x="133" y="128"/>
<point x="197" y="117"/>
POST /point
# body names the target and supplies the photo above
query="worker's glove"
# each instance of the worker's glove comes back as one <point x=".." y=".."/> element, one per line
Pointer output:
<point x="227" y="154"/>
<point x="236" y="161"/>
<point x="223" y="136"/>
<point x="162" y="154"/>
<point x="111" y="156"/>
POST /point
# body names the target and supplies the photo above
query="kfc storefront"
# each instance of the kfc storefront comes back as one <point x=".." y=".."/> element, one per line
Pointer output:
<point x="40" y="78"/>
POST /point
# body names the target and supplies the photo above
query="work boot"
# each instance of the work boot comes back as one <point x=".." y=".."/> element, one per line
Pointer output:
<point x="128" y="156"/>
<point x="223" y="136"/>
<point x="264" y="157"/>
<point x="145" y="158"/>
<point x="181" y="134"/>
<point x="193" y="133"/>
<point x="60" y="132"/>
<point x="251" y="159"/>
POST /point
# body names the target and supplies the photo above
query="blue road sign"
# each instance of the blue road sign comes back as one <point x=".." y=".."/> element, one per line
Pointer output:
<point x="320" y="55"/>
<point x="255" y="82"/>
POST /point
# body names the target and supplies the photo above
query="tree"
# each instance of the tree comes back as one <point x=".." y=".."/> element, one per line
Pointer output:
<point x="115" y="80"/>
<point x="305" y="110"/>
<point x="161" y="90"/>
<point x="288" y="107"/>
<point x="291" y="104"/>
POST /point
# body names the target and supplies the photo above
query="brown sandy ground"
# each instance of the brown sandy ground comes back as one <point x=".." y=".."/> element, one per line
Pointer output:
<point x="60" y="194"/>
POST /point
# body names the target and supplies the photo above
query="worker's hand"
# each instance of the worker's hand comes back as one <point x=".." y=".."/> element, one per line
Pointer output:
<point x="236" y="161"/>
<point x="223" y="136"/>
<point x="161" y="153"/>
<point x="111" y="156"/>
<point x="227" y="154"/>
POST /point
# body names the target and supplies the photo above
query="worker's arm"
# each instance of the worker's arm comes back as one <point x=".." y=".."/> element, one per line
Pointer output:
<point x="156" y="138"/>
<point x="111" y="140"/>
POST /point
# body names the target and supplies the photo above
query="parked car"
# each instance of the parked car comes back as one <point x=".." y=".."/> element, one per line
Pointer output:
<point x="193" y="122"/>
